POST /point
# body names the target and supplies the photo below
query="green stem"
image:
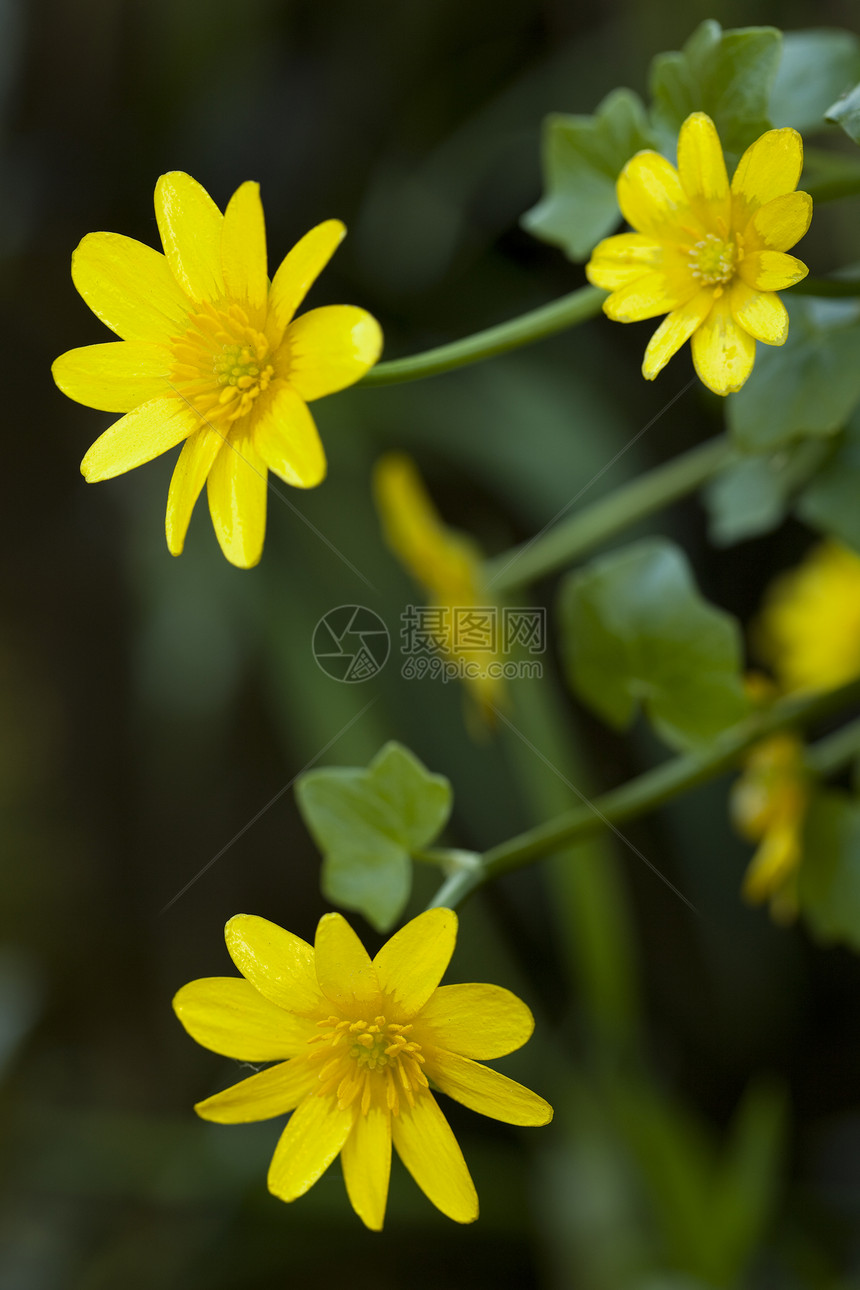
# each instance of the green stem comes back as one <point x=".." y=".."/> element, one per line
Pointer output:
<point x="536" y="325"/>
<point x="831" y="754"/>
<point x="601" y="520"/>
<point x="646" y="792"/>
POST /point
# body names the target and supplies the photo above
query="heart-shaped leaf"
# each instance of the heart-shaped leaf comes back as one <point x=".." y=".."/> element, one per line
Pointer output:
<point x="636" y="630"/>
<point x="582" y="159"/>
<point x="367" y="823"/>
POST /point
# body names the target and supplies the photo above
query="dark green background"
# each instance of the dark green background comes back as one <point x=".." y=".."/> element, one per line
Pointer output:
<point x="151" y="707"/>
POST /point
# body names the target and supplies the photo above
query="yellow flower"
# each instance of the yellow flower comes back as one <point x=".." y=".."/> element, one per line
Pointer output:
<point x="212" y="356"/>
<point x="769" y="804"/>
<point x="809" y="630"/>
<point x="358" y="1044"/>
<point x="709" y="255"/>
<point x="449" y="568"/>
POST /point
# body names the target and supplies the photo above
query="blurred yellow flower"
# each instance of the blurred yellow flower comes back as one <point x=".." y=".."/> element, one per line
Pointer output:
<point x="358" y="1043"/>
<point x="768" y="805"/>
<point x="212" y="356"/>
<point x="809" y="629"/>
<point x="449" y="568"/>
<point x="809" y="635"/>
<point x="710" y="255"/>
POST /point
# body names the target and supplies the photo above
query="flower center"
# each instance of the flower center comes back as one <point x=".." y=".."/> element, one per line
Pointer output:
<point x="369" y="1056"/>
<point x="221" y="363"/>
<point x="712" y="260"/>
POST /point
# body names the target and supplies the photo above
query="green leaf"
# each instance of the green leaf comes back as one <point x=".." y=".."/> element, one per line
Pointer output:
<point x="846" y="112"/>
<point x="816" y="67"/>
<point x="829" y="879"/>
<point x="728" y="74"/>
<point x="748" y="1178"/>
<point x="582" y="158"/>
<point x="637" y="631"/>
<point x="809" y="385"/>
<point x="753" y="495"/>
<point x="710" y="1204"/>
<point x="829" y="502"/>
<point x="367" y="823"/>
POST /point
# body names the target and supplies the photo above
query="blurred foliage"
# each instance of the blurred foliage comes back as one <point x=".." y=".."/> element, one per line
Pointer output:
<point x="808" y="386"/>
<point x="638" y="631"/>
<point x="157" y="712"/>
<point x="847" y="113"/>
<point x="830" y="878"/>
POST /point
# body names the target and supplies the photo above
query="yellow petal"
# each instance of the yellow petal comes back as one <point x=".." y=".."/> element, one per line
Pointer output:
<point x="287" y="439"/>
<point x="243" y="251"/>
<point x="769" y="168"/>
<point x="331" y="348"/>
<point x="412" y="526"/>
<point x="480" y="1021"/>
<point x="298" y="271"/>
<point x="366" y="1161"/>
<point x="189" y="475"/>
<point x="190" y="226"/>
<point x="277" y="963"/>
<point x="115" y="377"/>
<point x="761" y="313"/>
<point x="771" y="270"/>
<point x="424" y="1142"/>
<point x="773" y="863"/>
<point x="139" y="436"/>
<point x="270" y="1092"/>
<point x="313" y="1137"/>
<point x="343" y="967"/>
<point x="486" y="1091"/>
<point x="410" y="965"/>
<point x="237" y="489"/>
<point x="129" y="287"/>
<point x="647" y="297"/>
<point x="808" y="632"/>
<point x="447" y="564"/>
<point x="674" y="331"/>
<point x="650" y="195"/>
<point x="779" y="224"/>
<point x="723" y="353"/>
<point x="226" y="1014"/>
<point x="621" y="259"/>
<point x="702" y="171"/>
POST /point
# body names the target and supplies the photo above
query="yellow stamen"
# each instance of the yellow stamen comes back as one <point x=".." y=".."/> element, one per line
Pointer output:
<point x="713" y="260"/>
<point x="221" y="363"/>
<point x="376" y="1056"/>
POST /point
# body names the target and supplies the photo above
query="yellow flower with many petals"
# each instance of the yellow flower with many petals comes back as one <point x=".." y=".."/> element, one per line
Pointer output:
<point x="358" y="1045"/>
<point x="769" y="804"/>
<point x="212" y="356"/>
<point x="809" y="629"/>
<point x="710" y="255"/>
<point x="449" y="568"/>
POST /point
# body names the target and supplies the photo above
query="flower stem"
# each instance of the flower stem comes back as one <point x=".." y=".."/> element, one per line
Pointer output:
<point x="536" y="325"/>
<point x="655" y="787"/>
<point x="831" y="753"/>
<point x="593" y="525"/>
